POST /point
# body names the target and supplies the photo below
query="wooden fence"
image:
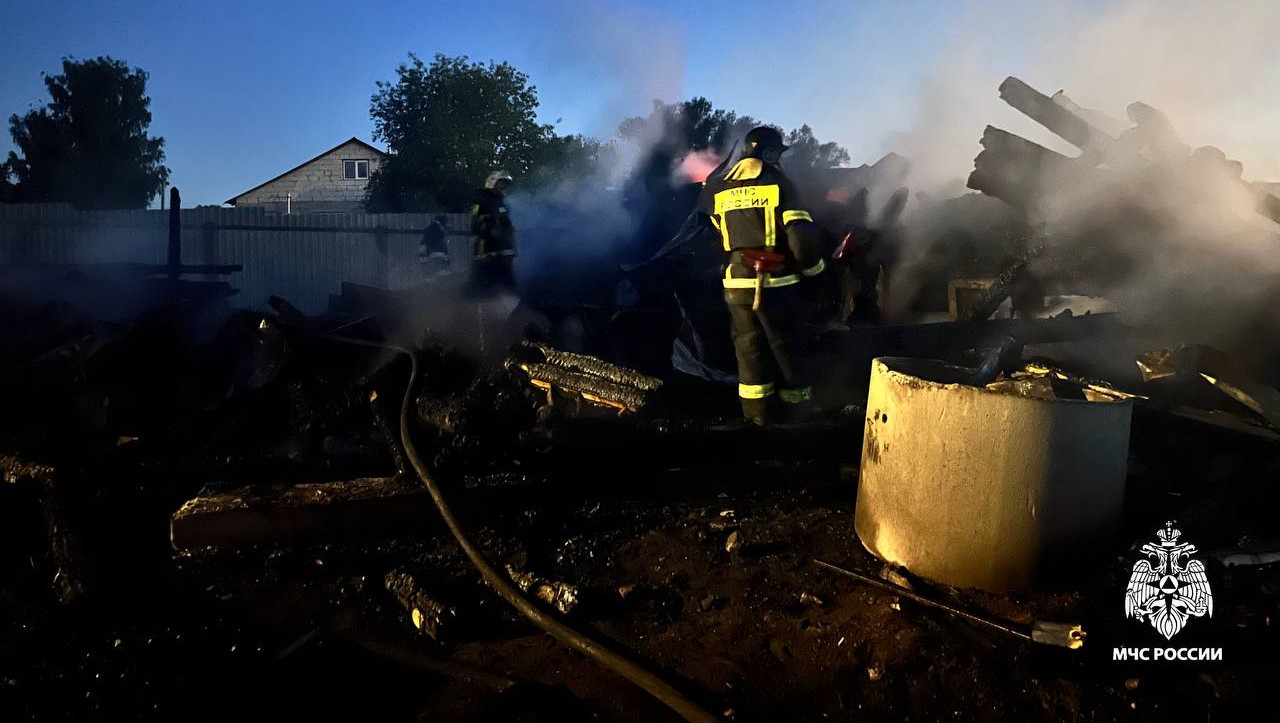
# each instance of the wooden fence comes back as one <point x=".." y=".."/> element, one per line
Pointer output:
<point x="301" y="257"/>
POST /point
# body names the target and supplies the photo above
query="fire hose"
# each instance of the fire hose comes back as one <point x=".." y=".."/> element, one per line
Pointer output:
<point x="633" y="672"/>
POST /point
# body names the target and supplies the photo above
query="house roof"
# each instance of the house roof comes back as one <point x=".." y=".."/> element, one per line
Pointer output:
<point x="352" y="139"/>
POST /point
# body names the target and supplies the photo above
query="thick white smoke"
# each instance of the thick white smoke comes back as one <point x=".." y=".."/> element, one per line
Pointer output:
<point x="1177" y="246"/>
<point x="1213" y="68"/>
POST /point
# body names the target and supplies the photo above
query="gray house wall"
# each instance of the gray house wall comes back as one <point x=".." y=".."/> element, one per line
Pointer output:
<point x="318" y="185"/>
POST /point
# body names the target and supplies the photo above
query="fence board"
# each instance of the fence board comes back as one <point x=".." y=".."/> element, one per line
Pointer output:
<point x="302" y="257"/>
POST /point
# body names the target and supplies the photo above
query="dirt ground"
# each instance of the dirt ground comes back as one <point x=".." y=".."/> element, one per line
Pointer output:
<point x="756" y="633"/>
<point x="691" y="545"/>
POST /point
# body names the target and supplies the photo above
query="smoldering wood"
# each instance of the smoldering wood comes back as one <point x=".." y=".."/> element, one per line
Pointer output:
<point x="943" y="339"/>
<point x="598" y="367"/>
<point x="66" y="551"/>
<point x="1005" y="284"/>
<point x="558" y="594"/>
<point x="388" y="430"/>
<point x="1109" y="125"/>
<point x="428" y="615"/>
<point x="288" y="313"/>
<point x="1194" y="369"/>
<point x="1269" y="206"/>
<point x="594" y="389"/>
<point x="64" y="566"/>
<point x="1029" y="177"/>
<point x="588" y="386"/>
<point x="369" y="507"/>
<point x="1018" y="171"/>
<point x="586" y="377"/>
<point x="15" y="470"/>
<point x="892" y="212"/>
<point x="1054" y="116"/>
<point x="439" y="414"/>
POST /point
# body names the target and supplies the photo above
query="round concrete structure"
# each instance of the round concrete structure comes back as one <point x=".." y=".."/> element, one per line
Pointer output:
<point x="971" y="487"/>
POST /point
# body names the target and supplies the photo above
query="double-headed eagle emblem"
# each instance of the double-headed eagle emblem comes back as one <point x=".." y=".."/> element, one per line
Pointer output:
<point x="1168" y="587"/>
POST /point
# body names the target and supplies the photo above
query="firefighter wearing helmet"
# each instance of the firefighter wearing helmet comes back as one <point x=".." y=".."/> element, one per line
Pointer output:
<point x="771" y="252"/>
<point x="495" y="237"/>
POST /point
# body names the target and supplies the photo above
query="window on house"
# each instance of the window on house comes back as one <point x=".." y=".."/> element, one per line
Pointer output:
<point x="355" y="169"/>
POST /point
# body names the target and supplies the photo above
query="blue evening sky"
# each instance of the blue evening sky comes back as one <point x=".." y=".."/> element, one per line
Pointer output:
<point x="244" y="91"/>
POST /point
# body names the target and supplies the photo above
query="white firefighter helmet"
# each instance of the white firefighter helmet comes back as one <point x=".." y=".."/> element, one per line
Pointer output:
<point x="492" y="180"/>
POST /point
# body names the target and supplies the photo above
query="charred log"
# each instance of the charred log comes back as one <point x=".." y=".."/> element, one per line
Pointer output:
<point x="1269" y="206"/>
<point x="586" y="377"/>
<point x="591" y="388"/>
<point x="302" y="513"/>
<point x="382" y="421"/>
<point x="63" y="563"/>
<point x="429" y="616"/>
<point x="1017" y="171"/>
<point x="1005" y="284"/>
<point x="1052" y="115"/>
<point x="600" y="368"/>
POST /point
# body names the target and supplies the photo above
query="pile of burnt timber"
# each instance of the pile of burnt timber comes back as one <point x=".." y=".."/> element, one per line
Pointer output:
<point x="856" y="346"/>
<point x="1021" y="172"/>
<point x="1136" y="192"/>
<point x="1202" y="383"/>
<point x="1104" y="214"/>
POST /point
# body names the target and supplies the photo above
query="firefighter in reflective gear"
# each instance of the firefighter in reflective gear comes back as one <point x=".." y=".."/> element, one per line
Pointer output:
<point x="772" y="250"/>
<point x="495" y="237"/>
<point x="433" y="250"/>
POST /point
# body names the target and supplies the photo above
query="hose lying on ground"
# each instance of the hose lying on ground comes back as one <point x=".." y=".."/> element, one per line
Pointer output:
<point x="646" y="680"/>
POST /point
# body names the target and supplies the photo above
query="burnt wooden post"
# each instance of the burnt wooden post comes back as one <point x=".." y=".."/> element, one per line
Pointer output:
<point x="175" y="234"/>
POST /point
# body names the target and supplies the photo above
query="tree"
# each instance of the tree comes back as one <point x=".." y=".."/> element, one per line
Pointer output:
<point x="450" y="123"/>
<point x="692" y="125"/>
<point x="89" y="146"/>
<point x="568" y="159"/>
<point x="696" y="125"/>
<point x="6" y="186"/>
<point x="806" y="152"/>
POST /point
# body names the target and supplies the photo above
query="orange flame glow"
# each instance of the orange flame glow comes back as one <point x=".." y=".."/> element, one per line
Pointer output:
<point x="697" y="165"/>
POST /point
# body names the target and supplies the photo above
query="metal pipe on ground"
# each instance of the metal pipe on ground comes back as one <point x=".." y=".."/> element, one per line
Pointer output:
<point x="1063" y="635"/>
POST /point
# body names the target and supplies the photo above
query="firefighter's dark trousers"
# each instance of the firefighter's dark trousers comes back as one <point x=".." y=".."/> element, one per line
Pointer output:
<point x="493" y="274"/>
<point x="772" y="375"/>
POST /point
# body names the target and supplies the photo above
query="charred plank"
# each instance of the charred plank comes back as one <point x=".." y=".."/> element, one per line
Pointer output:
<point x="301" y="513"/>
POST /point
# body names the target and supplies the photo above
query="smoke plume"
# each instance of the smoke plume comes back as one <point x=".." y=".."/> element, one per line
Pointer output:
<point x="1212" y="67"/>
<point x="1174" y="242"/>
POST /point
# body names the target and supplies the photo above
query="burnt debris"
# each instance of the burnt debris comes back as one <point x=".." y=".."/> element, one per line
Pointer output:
<point x="197" y="496"/>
